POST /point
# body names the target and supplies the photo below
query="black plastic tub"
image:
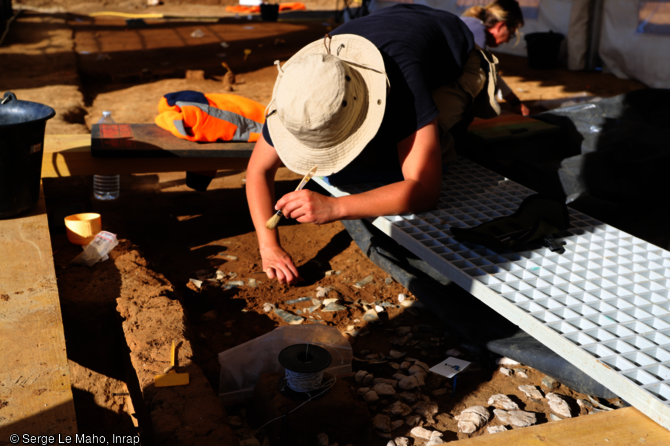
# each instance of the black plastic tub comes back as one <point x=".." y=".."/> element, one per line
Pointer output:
<point x="22" y="125"/>
<point x="543" y="49"/>
<point x="269" y="13"/>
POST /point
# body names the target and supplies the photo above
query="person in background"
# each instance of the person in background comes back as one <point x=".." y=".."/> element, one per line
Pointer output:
<point x="491" y="25"/>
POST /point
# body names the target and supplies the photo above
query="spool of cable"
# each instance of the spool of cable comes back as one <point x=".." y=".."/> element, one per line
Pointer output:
<point x="304" y="364"/>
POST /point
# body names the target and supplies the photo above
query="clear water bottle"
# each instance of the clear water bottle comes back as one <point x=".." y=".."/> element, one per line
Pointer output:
<point x="106" y="187"/>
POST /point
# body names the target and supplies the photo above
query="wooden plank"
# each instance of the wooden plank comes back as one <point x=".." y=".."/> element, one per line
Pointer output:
<point x="621" y="427"/>
<point x="151" y="141"/>
<point x="68" y="155"/>
<point x="35" y="393"/>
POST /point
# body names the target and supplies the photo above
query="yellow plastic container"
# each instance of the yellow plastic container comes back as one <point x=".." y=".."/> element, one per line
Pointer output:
<point x="82" y="228"/>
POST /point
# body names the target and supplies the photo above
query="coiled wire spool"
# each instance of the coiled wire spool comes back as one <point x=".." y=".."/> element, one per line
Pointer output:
<point x="304" y="364"/>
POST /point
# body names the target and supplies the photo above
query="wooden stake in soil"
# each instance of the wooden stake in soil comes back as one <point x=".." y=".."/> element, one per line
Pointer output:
<point x="272" y="222"/>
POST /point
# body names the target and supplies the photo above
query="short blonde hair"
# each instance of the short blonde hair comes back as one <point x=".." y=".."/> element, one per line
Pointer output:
<point x="507" y="11"/>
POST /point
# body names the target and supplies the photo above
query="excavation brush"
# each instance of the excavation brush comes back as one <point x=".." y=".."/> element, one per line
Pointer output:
<point x="171" y="377"/>
<point x="272" y="222"/>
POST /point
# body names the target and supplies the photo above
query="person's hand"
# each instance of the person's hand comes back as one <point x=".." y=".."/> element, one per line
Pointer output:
<point x="521" y="109"/>
<point x="278" y="263"/>
<point x="309" y="207"/>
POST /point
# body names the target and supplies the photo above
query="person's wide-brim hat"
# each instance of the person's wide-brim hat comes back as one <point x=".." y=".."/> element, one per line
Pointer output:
<point x="362" y="61"/>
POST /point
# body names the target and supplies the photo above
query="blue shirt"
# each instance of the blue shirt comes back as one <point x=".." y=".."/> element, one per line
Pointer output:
<point x="422" y="49"/>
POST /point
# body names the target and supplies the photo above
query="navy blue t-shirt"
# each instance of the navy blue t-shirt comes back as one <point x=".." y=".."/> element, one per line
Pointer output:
<point x="422" y="49"/>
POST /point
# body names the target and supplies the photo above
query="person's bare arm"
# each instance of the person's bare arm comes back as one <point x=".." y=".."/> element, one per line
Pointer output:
<point x="420" y="159"/>
<point x="261" y="172"/>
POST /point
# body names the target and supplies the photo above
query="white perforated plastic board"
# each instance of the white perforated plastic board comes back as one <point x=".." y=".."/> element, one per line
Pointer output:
<point x="603" y="305"/>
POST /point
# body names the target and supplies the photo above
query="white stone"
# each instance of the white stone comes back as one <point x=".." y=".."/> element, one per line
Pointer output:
<point x="421" y="433"/>
<point x="401" y="297"/>
<point x="496" y="429"/>
<point x="501" y="401"/>
<point x="518" y="418"/>
<point x="331" y="300"/>
<point x="412" y="303"/>
<point x="531" y="392"/>
<point x="379" y="309"/>
<point x="384" y="389"/>
<point x="363" y="390"/>
<point x="360" y="376"/>
<point x="505" y="371"/>
<point x="267" y="307"/>
<point x="382" y="423"/>
<point x="559" y="405"/>
<point x="371" y="397"/>
<point x="435" y="439"/>
<point x="402" y="441"/>
<point x="408" y="383"/>
<point x="321" y="292"/>
<point x="412" y="420"/>
<point x="396" y="354"/>
<point x="220" y="275"/>
<point x="399" y="409"/>
<point x="522" y="375"/>
<point x="502" y="415"/>
<point x="472" y="419"/>
<point x="323" y="439"/>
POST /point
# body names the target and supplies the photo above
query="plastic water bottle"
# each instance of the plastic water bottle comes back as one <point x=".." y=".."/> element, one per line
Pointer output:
<point x="106" y="187"/>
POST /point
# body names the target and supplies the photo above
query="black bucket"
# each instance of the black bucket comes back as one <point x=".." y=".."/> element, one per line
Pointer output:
<point x="269" y="13"/>
<point x="543" y="49"/>
<point x="22" y="126"/>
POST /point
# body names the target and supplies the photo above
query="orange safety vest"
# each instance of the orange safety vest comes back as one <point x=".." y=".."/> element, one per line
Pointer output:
<point x="196" y="116"/>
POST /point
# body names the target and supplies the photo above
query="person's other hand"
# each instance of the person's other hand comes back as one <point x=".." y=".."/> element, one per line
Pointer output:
<point x="309" y="207"/>
<point x="277" y="263"/>
<point x="521" y="109"/>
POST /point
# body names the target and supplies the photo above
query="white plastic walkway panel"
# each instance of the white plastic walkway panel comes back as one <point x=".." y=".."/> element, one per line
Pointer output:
<point x="603" y="305"/>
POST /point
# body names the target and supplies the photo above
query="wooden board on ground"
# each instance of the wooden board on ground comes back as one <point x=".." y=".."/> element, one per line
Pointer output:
<point x="151" y="141"/>
<point x="69" y="155"/>
<point x="508" y="127"/>
<point x="622" y="427"/>
<point x="35" y="395"/>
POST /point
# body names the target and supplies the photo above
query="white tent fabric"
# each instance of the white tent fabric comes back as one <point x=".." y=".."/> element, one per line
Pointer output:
<point x="552" y="15"/>
<point x="631" y="54"/>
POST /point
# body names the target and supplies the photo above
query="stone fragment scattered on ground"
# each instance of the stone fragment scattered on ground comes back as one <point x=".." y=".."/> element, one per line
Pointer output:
<point x="235" y="283"/>
<point x="196" y="282"/>
<point x="435" y="439"/>
<point x="495" y="429"/>
<point x="549" y="382"/>
<point x="388" y="280"/>
<point x="229" y="257"/>
<point x="384" y="389"/>
<point x="472" y="419"/>
<point x="401" y="297"/>
<point x="507" y="361"/>
<point x="505" y="371"/>
<point x="371" y="397"/>
<point x="521" y="374"/>
<point x="420" y="432"/>
<point x="322" y="292"/>
<point x="333" y="307"/>
<point x="253" y="283"/>
<point x="330" y="300"/>
<point x="298" y="300"/>
<point x="220" y="275"/>
<point x="313" y="308"/>
<point x="453" y="352"/>
<point x="554" y="417"/>
<point x="412" y="304"/>
<point x="401" y="441"/>
<point x="531" y="392"/>
<point x="289" y="318"/>
<point x="399" y="409"/>
<point x="559" y="405"/>
<point x="382" y="423"/>
<point x="322" y="439"/>
<point x="333" y="272"/>
<point x="371" y="316"/>
<point x="362" y="283"/>
<point x="408" y="383"/>
<point x="501" y="401"/>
